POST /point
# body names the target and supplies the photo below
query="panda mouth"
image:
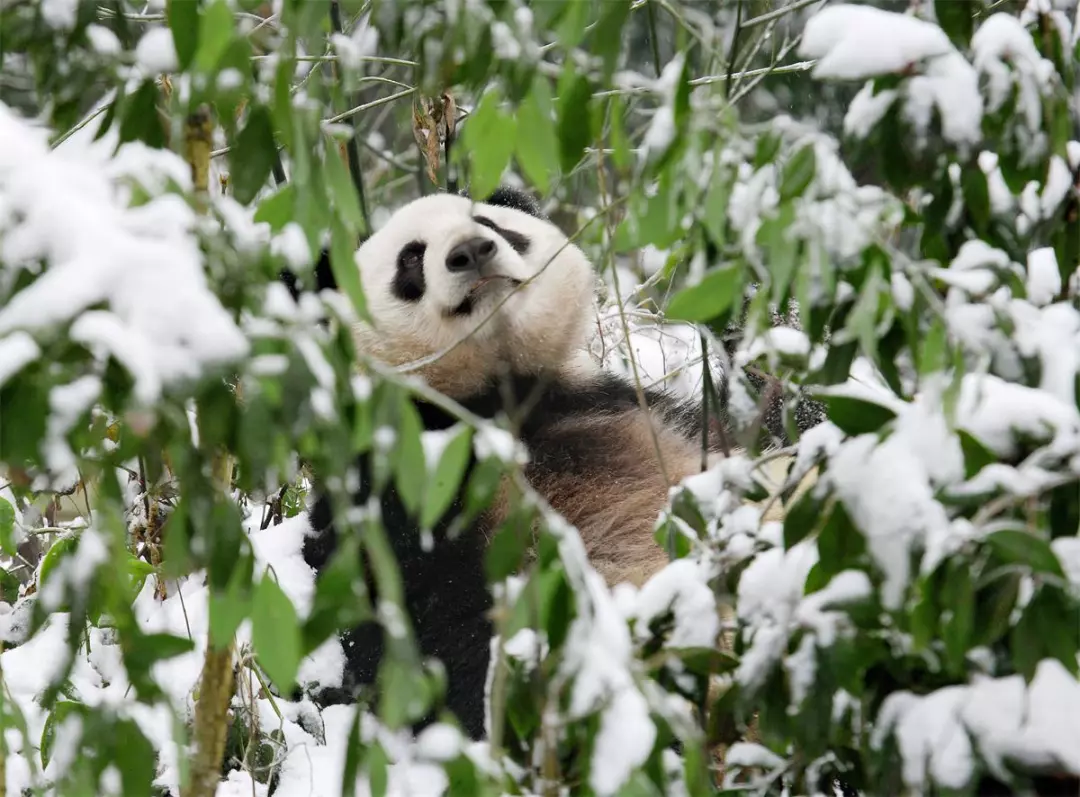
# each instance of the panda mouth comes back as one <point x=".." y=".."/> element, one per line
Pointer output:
<point x="479" y="288"/>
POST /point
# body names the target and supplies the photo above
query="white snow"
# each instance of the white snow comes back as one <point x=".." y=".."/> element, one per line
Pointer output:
<point x="60" y="14"/>
<point x="1005" y="55"/>
<point x="1000" y="413"/>
<point x="17" y="350"/>
<point x="155" y="52"/>
<point x="661" y="130"/>
<point x="858" y="42"/>
<point x="99" y="250"/>
<point x="353" y="48"/>
<point x="861" y="42"/>
<point x="292" y="245"/>
<point x="1036" y="726"/>
<point x="867" y="109"/>
<point x="1043" y="276"/>
<point x="492" y="442"/>
<point x="682" y="589"/>
<point x="103" y="40"/>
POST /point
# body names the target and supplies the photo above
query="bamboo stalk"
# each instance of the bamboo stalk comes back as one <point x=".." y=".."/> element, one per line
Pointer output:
<point x="211" y="721"/>
<point x="216" y="682"/>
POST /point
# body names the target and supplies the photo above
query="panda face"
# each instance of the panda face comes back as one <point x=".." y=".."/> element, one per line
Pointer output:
<point x="501" y="285"/>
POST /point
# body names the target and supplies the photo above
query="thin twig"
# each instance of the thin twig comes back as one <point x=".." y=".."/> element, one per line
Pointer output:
<point x="318" y="59"/>
<point x="369" y="105"/>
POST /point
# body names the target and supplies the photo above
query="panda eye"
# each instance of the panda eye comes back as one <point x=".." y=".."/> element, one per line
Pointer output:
<point x="518" y="242"/>
<point x="411" y="256"/>
<point x="408" y="283"/>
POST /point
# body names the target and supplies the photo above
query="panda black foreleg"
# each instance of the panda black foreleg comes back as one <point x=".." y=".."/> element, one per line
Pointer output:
<point x="446" y="597"/>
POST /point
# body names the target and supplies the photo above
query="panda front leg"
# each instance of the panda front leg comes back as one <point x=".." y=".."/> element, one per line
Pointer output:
<point x="446" y="598"/>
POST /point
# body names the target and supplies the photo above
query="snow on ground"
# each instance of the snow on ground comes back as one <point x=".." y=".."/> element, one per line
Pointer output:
<point x="311" y="765"/>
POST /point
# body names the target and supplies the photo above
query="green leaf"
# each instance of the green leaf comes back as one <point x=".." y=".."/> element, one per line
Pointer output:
<point x="993" y="607"/>
<point x="252" y="156"/>
<point x="507" y="548"/>
<point x="798" y="173"/>
<point x="975" y="188"/>
<point x="575" y="121"/>
<point x="976" y="455"/>
<point x="341" y="598"/>
<point x="275" y="633"/>
<point x="60" y="712"/>
<point x="184" y="23"/>
<point x="572" y="25"/>
<point x="537" y="146"/>
<point x="489" y="135"/>
<point x="957" y="19"/>
<point x="278" y="209"/>
<point x="801" y="518"/>
<point x="377" y="764"/>
<point x="444" y="484"/>
<point x="346" y="200"/>
<point x="958" y="601"/>
<point x="840" y="543"/>
<point x="855" y="415"/>
<point x="7" y="527"/>
<point x="782" y="250"/>
<point x="934" y="352"/>
<point x="343" y="265"/>
<point x="607" y="35"/>
<point x="138" y="570"/>
<point x="404" y="695"/>
<point x="140" y="121"/>
<point x="229" y="607"/>
<point x="145" y="650"/>
<point x="1049" y="627"/>
<point x="1064" y="512"/>
<point x="410" y="463"/>
<point x="135" y="757"/>
<point x="619" y="142"/>
<point x="715" y="206"/>
<point x="924" y="614"/>
<point x="57" y="551"/>
<point x="768" y="145"/>
<point x="1027" y="549"/>
<point x="214" y="34"/>
<point x="708" y="299"/>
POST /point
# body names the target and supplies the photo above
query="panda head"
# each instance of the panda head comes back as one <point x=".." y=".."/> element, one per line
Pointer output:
<point x="494" y="280"/>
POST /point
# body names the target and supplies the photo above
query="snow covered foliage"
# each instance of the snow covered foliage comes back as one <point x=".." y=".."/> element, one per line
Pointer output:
<point x="887" y="323"/>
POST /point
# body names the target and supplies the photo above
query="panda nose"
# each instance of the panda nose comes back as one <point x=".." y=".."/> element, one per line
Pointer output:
<point x="471" y="254"/>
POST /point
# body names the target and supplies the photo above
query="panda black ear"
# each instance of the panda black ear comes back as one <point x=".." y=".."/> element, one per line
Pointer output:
<point x="506" y="196"/>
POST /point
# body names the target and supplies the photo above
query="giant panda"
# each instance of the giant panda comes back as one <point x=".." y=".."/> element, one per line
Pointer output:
<point x="508" y="299"/>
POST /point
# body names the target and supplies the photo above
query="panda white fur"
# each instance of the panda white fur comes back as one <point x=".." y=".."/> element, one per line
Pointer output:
<point x="431" y="275"/>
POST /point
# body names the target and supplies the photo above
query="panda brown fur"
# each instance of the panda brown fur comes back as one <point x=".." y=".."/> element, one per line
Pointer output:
<point x="491" y="304"/>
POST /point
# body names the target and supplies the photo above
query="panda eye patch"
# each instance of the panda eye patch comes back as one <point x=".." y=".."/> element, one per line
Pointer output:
<point x="518" y="242"/>
<point x="408" y="284"/>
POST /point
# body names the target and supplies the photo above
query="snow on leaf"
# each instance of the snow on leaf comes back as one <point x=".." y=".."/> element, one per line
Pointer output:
<point x="1043" y="276"/>
<point x="72" y="214"/>
<point x="1034" y="726"/>
<point x="857" y="42"/>
<point x="681" y="588"/>
<point x="16" y="351"/>
<point x="860" y="42"/>
<point x="155" y="52"/>
<point x="999" y="413"/>
<point x="1006" y="56"/>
